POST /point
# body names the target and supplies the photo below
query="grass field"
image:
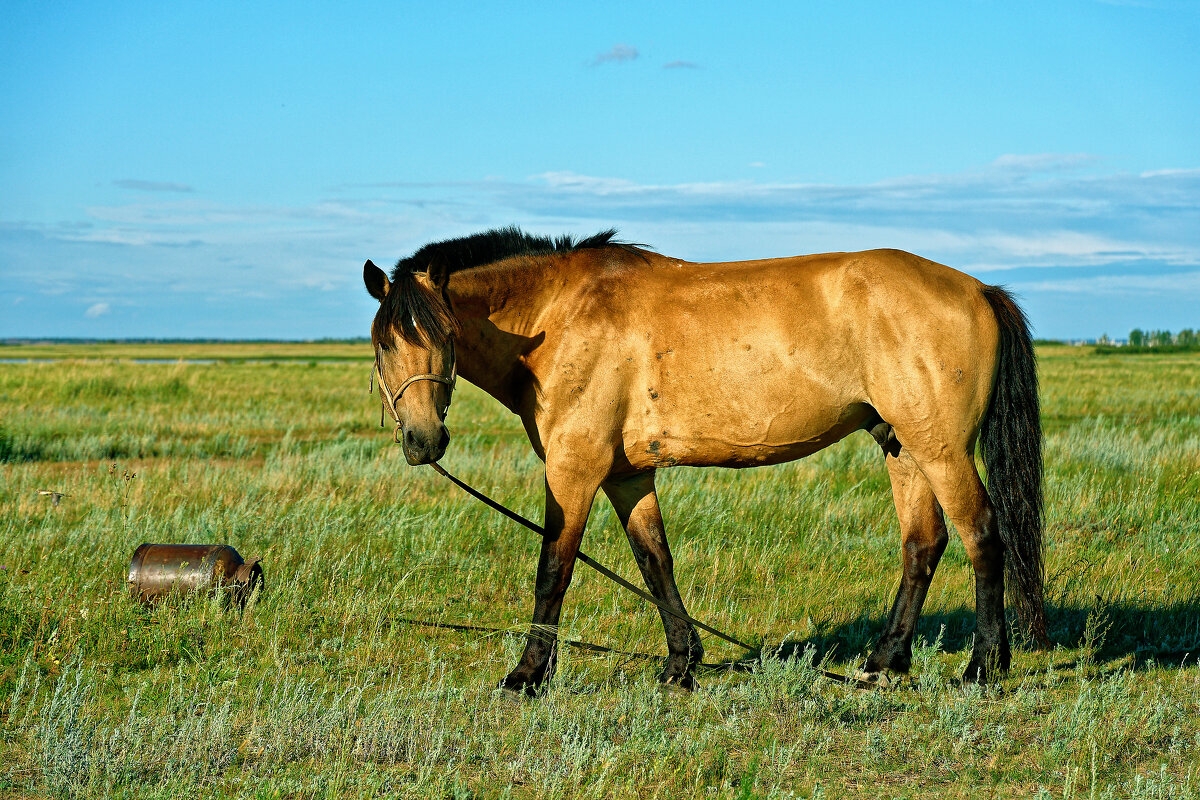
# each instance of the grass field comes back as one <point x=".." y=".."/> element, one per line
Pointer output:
<point x="321" y="689"/>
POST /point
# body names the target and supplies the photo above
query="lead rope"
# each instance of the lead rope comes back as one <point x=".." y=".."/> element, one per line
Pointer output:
<point x="608" y="573"/>
<point x="591" y="562"/>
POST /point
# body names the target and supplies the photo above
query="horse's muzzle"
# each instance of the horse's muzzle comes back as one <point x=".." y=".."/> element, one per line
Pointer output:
<point x="424" y="446"/>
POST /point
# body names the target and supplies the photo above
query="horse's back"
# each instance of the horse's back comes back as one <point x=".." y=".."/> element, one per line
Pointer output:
<point x="753" y="362"/>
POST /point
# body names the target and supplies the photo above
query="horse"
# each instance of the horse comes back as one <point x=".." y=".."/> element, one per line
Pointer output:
<point x="620" y="361"/>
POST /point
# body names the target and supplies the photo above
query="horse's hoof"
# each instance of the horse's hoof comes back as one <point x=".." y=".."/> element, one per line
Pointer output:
<point x="513" y="696"/>
<point x="677" y="684"/>
<point x="879" y="679"/>
<point x="983" y="673"/>
<point x="517" y="689"/>
<point x="890" y="658"/>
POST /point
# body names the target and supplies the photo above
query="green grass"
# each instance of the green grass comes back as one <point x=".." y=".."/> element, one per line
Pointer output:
<point x="319" y="690"/>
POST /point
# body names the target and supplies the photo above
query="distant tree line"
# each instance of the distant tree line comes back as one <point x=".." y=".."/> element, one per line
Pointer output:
<point x="1152" y="341"/>
<point x="1140" y="338"/>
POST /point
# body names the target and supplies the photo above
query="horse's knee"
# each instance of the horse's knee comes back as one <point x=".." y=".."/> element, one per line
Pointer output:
<point x="921" y="556"/>
<point x="981" y="537"/>
<point x="641" y="545"/>
<point x="551" y="589"/>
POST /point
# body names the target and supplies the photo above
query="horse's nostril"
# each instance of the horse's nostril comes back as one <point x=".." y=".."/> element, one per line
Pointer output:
<point x="443" y="440"/>
<point x="409" y="439"/>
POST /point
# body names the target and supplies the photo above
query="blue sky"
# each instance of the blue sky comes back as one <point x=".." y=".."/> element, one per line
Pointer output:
<point x="223" y="169"/>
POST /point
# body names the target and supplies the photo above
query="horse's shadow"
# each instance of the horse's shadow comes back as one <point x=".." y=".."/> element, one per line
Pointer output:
<point x="1147" y="636"/>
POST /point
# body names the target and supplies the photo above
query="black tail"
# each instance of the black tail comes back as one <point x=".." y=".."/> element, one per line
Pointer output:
<point x="1012" y="452"/>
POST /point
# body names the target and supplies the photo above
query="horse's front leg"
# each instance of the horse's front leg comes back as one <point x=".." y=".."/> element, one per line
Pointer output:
<point x="570" y="490"/>
<point x="636" y="504"/>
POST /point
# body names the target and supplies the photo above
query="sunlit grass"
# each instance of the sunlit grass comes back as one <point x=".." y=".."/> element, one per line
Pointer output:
<point x="319" y="689"/>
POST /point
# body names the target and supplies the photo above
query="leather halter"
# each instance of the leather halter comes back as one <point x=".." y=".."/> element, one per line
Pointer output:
<point x="390" y="401"/>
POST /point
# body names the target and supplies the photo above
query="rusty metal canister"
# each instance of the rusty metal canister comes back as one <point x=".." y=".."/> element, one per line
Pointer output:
<point x="157" y="570"/>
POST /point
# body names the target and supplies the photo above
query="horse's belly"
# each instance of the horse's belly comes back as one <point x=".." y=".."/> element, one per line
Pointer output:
<point x="741" y="444"/>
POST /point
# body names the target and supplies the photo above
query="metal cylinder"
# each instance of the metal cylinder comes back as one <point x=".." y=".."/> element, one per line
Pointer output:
<point x="157" y="570"/>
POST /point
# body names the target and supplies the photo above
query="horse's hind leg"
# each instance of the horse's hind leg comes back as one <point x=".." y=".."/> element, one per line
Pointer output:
<point x="923" y="540"/>
<point x="636" y="505"/>
<point x="956" y="483"/>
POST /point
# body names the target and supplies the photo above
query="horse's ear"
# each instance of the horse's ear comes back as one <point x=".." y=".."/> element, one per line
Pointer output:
<point x="438" y="274"/>
<point x="376" y="281"/>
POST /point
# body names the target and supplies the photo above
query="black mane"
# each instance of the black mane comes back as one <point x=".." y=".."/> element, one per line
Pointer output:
<point x="423" y="316"/>
<point x="497" y="244"/>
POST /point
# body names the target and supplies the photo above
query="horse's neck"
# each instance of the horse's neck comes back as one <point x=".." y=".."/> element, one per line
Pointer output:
<point x="499" y="311"/>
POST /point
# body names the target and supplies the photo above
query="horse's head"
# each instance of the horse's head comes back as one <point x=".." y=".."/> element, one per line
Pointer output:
<point x="413" y="336"/>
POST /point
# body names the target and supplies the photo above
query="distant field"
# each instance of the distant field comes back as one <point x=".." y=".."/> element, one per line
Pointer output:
<point x="188" y="351"/>
<point x="321" y="690"/>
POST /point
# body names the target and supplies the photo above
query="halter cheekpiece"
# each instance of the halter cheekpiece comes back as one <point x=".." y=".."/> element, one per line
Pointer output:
<point x="390" y="401"/>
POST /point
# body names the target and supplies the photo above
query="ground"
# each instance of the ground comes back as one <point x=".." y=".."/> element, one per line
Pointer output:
<point x="323" y="687"/>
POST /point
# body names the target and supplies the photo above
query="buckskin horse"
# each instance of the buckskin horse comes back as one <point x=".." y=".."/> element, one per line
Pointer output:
<point x="619" y="361"/>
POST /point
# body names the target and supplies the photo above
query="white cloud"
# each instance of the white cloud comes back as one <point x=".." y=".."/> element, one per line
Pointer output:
<point x="1065" y="247"/>
<point x="1043" y="162"/>
<point x="994" y="216"/>
<point x="1162" y="5"/>
<point x="1166" y="284"/>
<point x="1033" y="211"/>
<point x="1107" y="245"/>
<point x="152" y="186"/>
<point x="618" y="54"/>
<point x="1158" y="173"/>
<point x="571" y="181"/>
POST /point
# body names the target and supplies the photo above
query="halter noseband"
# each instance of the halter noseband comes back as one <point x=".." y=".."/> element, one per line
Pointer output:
<point x="390" y="401"/>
